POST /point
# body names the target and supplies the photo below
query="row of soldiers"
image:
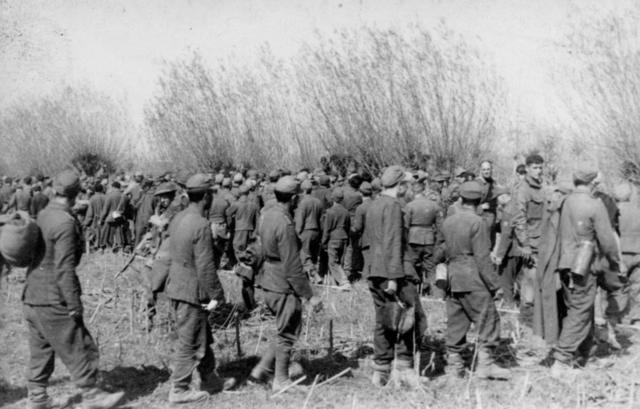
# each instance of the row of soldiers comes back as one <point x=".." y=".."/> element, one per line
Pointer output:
<point x="392" y="230"/>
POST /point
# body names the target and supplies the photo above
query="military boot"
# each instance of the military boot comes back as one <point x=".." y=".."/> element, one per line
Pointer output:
<point x="96" y="398"/>
<point x="455" y="365"/>
<point x="180" y="396"/>
<point x="380" y="374"/>
<point x="215" y="383"/>
<point x="404" y="375"/>
<point x="486" y="368"/>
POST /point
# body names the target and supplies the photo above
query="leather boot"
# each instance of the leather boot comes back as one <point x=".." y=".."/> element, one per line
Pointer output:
<point x="281" y="379"/>
<point x="486" y="367"/>
<point x="215" y="383"/>
<point x="455" y="365"/>
<point x="96" y="398"/>
<point x="380" y="374"/>
<point x="404" y="375"/>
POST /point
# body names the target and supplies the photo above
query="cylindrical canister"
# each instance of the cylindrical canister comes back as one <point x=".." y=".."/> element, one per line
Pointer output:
<point x="583" y="258"/>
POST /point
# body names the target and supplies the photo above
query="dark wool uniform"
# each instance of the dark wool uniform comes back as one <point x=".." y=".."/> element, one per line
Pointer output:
<point x="491" y="202"/>
<point x="219" y="225"/>
<point x="192" y="282"/>
<point x="283" y="282"/>
<point x="113" y="229"/>
<point x="307" y="221"/>
<point x="583" y="218"/>
<point x="629" y="239"/>
<point x="53" y="308"/>
<point x="244" y="215"/>
<point x="422" y="223"/>
<point x="472" y="280"/>
<point x="352" y="256"/>
<point x="39" y="202"/>
<point x="507" y="252"/>
<point x="335" y="237"/>
<point x="383" y="233"/>
<point x="357" y="228"/>
<point x="144" y="207"/>
<point x="92" y="220"/>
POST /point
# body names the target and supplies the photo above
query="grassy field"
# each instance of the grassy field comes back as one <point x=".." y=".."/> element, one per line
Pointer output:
<point x="137" y="361"/>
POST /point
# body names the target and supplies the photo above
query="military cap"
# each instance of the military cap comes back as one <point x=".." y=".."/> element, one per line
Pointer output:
<point x="138" y="174"/>
<point x="252" y="174"/>
<point x="302" y="176"/>
<point x="376" y="184"/>
<point x="164" y="188"/>
<point x="337" y="195"/>
<point x="421" y="176"/>
<point x="226" y="182"/>
<point x="218" y="178"/>
<point x="459" y="171"/>
<point x="274" y="175"/>
<point x="392" y="176"/>
<point x="471" y="190"/>
<point x="324" y="180"/>
<point x="251" y="183"/>
<point x="238" y="178"/>
<point x="306" y="185"/>
<point x="244" y="189"/>
<point x="622" y="192"/>
<point x="365" y="188"/>
<point x="182" y="176"/>
<point x="67" y="183"/>
<point x="199" y="182"/>
<point x="585" y="176"/>
<point x="286" y="184"/>
<point x="498" y="191"/>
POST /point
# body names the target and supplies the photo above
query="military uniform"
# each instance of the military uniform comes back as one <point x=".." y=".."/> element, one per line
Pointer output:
<point x="583" y="218"/>
<point x="244" y="216"/>
<point x="218" y="214"/>
<point x="113" y="230"/>
<point x="335" y="237"/>
<point x="308" y="222"/>
<point x="192" y="282"/>
<point x="92" y="221"/>
<point x="629" y="239"/>
<point x="283" y="282"/>
<point x="352" y="256"/>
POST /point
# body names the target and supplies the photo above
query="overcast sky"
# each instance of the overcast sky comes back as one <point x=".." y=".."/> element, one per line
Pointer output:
<point x="119" y="46"/>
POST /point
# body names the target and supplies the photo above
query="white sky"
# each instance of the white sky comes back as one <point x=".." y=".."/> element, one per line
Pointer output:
<point x="119" y="46"/>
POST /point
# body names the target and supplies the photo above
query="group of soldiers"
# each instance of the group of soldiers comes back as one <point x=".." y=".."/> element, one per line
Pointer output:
<point x="549" y="248"/>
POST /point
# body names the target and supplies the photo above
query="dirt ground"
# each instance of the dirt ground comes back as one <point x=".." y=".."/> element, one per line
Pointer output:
<point x="339" y="337"/>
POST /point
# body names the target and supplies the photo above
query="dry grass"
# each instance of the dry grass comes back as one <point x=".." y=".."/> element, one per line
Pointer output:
<point x="137" y="362"/>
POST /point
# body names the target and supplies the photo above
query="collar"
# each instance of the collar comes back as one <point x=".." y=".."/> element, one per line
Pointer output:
<point x="60" y="206"/>
<point x="533" y="182"/>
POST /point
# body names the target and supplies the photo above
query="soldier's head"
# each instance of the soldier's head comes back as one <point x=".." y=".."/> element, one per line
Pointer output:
<point x="27" y="180"/>
<point x="98" y="188"/>
<point x="521" y="171"/>
<point x="366" y="189"/>
<point x="417" y="187"/>
<point x="285" y="190"/>
<point x="470" y="193"/>
<point x="116" y="185"/>
<point x="138" y="177"/>
<point x="165" y="192"/>
<point x="67" y="186"/>
<point x="392" y="179"/>
<point x="534" y="164"/>
<point x="198" y="188"/>
<point x="306" y="186"/>
<point x="585" y="177"/>
<point x="486" y="169"/>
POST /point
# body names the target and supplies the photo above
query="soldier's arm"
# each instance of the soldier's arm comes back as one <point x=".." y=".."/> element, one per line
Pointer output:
<point x="605" y="233"/>
<point x="392" y="240"/>
<point x="65" y="242"/>
<point x="506" y="230"/>
<point x="480" y="243"/>
<point x="291" y="264"/>
<point x="358" y="221"/>
<point x="438" y="226"/>
<point x="208" y="280"/>
<point x="299" y="219"/>
<point x="326" y="229"/>
<point x="519" y="216"/>
<point x="89" y="216"/>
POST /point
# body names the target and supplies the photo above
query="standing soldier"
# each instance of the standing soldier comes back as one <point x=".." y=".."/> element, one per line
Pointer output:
<point x="143" y="204"/>
<point x="352" y="199"/>
<point x="307" y="222"/>
<point x="244" y="216"/>
<point x="92" y="219"/>
<point x="584" y="225"/>
<point x="53" y="307"/>
<point x="472" y="285"/>
<point x="529" y="207"/>
<point x="489" y="203"/>
<point x="283" y="282"/>
<point x="390" y="285"/>
<point x="422" y="223"/>
<point x="359" y="220"/>
<point x="195" y="290"/>
<point x="112" y="218"/>
<point x="335" y="236"/>
<point x="219" y="227"/>
<point x="38" y="202"/>
<point x="629" y="239"/>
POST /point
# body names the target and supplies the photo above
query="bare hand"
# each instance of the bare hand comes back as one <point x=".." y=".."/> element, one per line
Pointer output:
<point x="211" y="306"/>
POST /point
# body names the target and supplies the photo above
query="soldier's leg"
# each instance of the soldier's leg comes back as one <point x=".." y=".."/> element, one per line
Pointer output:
<point x="633" y="263"/>
<point x="384" y="339"/>
<point x="188" y="348"/>
<point x="458" y="324"/>
<point x="288" y="311"/>
<point x="577" y="326"/>
<point x="335" y="251"/>
<point x="404" y="348"/>
<point x="507" y="272"/>
<point x="411" y="260"/>
<point x="41" y="359"/>
<point x="207" y="362"/>
<point x="347" y="258"/>
<point x="305" y="250"/>
<point x="240" y="241"/>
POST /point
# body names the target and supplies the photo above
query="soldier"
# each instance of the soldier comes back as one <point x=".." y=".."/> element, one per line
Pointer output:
<point x="583" y="226"/>
<point x="243" y="216"/>
<point x="629" y="239"/>
<point x="528" y="209"/>
<point x="38" y="202"/>
<point x="143" y="204"/>
<point x="112" y="219"/>
<point x="359" y="220"/>
<point x="53" y="307"/>
<point x="91" y="221"/>
<point x="422" y="223"/>
<point x="307" y="221"/>
<point x="219" y="226"/>
<point x="390" y="285"/>
<point x="351" y="201"/>
<point x="21" y="199"/>
<point x="489" y="204"/>
<point x="335" y="236"/>
<point x="195" y="290"/>
<point x="283" y="282"/>
<point x="472" y="286"/>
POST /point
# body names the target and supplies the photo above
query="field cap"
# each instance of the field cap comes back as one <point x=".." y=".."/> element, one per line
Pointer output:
<point x="164" y="188"/>
<point x="392" y="176"/>
<point x="199" y="182"/>
<point x="238" y="178"/>
<point x="306" y="185"/>
<point x="471" y="190"/>
<point x="244" y="189"/>
<point x="585" y="176"/>
<point x="67" y="183"/>
<point x="365" y="188"/>
<point x="226" y="182"/>
<point x="337" y="195"/>
<point x="286" y="184"/>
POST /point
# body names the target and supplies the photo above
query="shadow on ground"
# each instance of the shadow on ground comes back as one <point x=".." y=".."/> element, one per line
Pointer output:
<point x="136" y="382"/>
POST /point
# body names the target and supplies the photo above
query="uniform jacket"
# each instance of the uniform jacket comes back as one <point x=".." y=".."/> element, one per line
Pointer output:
<point x="21" y="200"/>
<point x="282" y="271"/>
<point x="244" y="213"/>
<point x="218" y="210"/>
<point x="144" y="207"/>
<point x="383" y="233"/>
<point x="38" y="202"/>
<point x="352" y="199"/>
<point x="423" y="221"/>
<point x="487" y="193"/>
<point x="112" y="203"/>
<point x="584" y="217"/>
<point x="467" y="246"/>
<point x="359" y="221"/>
<point x="336" y="224"/>
<point x="529" y="208"/>
<point x="94" y="211"/>
<point x="192" y="277"/>
<point x="5" y="195"/>
<point x="324" y="195"/>
<point x="308" y="214"/>
<point x="505" y="245"/>
<point x="629" y="227"/>
<point x="54" y="281"/>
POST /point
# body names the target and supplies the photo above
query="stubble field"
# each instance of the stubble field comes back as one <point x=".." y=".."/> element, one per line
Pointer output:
<point x="337" y="338"/>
